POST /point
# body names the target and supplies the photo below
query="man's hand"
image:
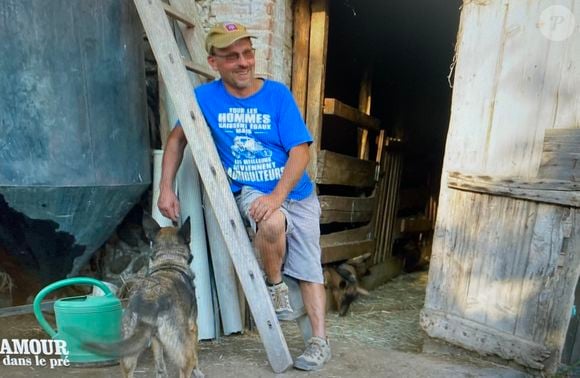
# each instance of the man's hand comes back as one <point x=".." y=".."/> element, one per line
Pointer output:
<point x="264" y="206"/>
<point x="168" y="204"/>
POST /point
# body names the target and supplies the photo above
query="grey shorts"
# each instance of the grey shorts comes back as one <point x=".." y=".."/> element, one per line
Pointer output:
<point x="303" y="255"/>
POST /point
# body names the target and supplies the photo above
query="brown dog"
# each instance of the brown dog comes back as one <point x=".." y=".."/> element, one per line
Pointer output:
<point x="162" y="309"/>
<point x="344" y="286"/>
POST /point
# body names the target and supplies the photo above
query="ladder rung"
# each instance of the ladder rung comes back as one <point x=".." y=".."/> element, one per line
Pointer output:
<point x="172" y="12"/>
<point x="198" y="69"/>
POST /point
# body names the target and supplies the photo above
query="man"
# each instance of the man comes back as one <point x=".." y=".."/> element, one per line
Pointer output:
<point x="263" y="144"/>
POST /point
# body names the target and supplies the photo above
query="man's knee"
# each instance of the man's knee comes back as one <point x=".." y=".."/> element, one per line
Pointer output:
<point x="272" y="229"/>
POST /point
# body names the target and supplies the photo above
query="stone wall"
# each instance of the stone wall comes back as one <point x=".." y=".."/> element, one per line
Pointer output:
<point x="270" y="20"/>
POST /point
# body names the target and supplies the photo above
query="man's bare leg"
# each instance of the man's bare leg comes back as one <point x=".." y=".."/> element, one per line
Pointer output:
<point x="317" y="351"/>
<point x="270" y="241"/>
<point x="314" y="298"/>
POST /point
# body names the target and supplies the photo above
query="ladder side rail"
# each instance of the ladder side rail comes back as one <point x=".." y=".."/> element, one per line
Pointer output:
<point x="211" y="172"/>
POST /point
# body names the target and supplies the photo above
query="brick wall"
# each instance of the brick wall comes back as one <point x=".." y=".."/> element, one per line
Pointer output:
<point x="270" y="20"/>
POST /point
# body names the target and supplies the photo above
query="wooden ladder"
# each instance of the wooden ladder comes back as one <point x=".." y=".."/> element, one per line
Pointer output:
<point x="173" y="70"/>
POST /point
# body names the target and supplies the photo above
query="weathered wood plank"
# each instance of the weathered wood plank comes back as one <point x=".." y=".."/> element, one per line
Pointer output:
<point x="559" y="192"/>
<point x="532" y="183"/>
<point x="382" y="272"/>
<point x="389" y="191"/>
<point x="199" y="69"/>
<point x="553" y="261"/>
<point x="211" y="172"/>
<point x="556" y="139"/>
<point x="316" y="77"/>
<point x="346" y="250"/>
<point x="347" y="244"/>
<point x="174" y="13"/>
<point x="338" y="169"/>
<point x="346" y="209"/>
<point x="461" y="242"/>
<point x="381" y="191"/>
<point x="482" y="339"/>
<point x="498" y="261"/>
<point x="300" y="53"/>
<point x="561" y="155"/>
<point x="336" y="108"/>
<point x="566" y="295"/>
<point x="571" y="352"/>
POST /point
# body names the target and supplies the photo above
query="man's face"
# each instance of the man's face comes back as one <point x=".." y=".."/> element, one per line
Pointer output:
<point x="236" y="64"/>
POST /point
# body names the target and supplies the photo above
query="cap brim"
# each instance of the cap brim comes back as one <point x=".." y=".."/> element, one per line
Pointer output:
<point x="226" y="40"/>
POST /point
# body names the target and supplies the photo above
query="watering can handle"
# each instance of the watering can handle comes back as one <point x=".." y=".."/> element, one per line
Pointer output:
<point x="57" y="285"/>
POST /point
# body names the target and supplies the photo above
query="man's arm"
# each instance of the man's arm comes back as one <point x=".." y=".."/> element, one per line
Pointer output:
<point x="297" y="161"/>
<point x="168" y="203"/>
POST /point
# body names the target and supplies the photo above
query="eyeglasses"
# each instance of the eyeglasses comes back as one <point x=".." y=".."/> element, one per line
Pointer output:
<point x="234" y="57"/>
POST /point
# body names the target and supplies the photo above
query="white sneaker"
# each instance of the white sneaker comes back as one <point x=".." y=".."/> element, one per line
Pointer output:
<point x="316" y="354"/>
<point x="280" y="299"/>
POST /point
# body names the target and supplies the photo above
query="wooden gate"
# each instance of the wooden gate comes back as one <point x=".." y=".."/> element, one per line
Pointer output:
<point x="505" y="257"/>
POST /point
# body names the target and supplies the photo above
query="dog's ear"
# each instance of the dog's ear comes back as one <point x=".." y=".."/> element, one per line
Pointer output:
<point x="150" y="226"/>
<point x="185" y="230"/>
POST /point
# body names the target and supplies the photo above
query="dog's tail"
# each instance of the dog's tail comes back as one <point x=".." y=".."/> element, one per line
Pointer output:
<point x="132" y="345"/>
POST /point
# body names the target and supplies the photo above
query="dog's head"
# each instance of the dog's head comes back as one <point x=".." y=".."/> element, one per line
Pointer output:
<point x="168" y="243"/>
<point x="344" y="286"/>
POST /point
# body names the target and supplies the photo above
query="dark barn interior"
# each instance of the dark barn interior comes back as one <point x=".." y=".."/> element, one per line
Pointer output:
<point x="407" y="51"/>
<point x="409" y="48"/>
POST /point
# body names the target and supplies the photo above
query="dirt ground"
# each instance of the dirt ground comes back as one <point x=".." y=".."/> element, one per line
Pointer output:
<point x="379" y="337"/>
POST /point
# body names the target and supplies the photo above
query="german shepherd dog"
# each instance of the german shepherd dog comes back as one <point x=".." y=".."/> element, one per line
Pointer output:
<point x="162" y="309"/>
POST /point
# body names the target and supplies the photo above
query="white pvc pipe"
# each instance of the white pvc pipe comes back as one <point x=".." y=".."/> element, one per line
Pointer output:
<point x="224" y="273"/>
<point x="189" y="193"/>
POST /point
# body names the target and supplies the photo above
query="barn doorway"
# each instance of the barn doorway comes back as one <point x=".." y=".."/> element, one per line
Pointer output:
<point x="406" y="50"/>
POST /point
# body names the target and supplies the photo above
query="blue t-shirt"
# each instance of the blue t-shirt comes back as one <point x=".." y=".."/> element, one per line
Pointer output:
<point x="253" y="135"/>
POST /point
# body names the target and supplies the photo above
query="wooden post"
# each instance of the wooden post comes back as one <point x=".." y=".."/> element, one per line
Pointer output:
<point x="316" y="77"/>
<point x="211" y="172"/>
<point x="300" y="53"/>
<point x="364" y="105"/>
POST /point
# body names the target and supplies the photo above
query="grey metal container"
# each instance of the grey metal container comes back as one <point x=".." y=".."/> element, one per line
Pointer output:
<point x="74" y="141"/>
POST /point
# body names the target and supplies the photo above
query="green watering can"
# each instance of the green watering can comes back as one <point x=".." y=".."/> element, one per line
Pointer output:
<point x="90" y="318"/>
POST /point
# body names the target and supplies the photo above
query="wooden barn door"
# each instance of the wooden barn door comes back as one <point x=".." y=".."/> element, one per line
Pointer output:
<point x="506" y="256"/>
